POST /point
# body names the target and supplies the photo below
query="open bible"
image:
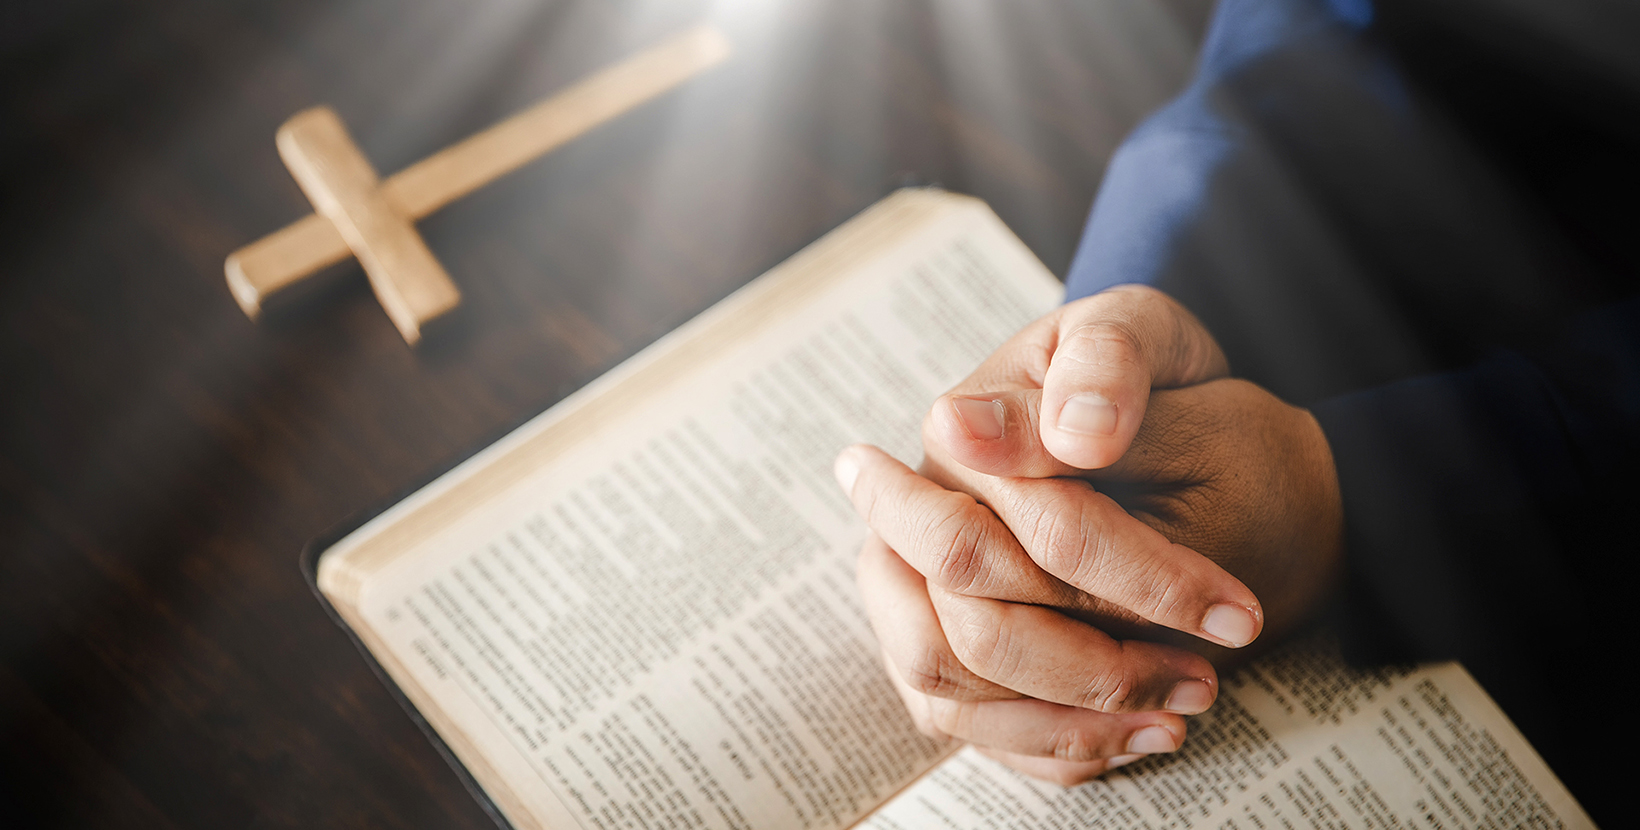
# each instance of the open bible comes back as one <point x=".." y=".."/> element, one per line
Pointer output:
<point x="638" y="609"/>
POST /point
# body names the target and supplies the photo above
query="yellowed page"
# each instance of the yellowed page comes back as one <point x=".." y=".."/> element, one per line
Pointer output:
<point x="1296" y="740"/>
<point x="656" y="623"/>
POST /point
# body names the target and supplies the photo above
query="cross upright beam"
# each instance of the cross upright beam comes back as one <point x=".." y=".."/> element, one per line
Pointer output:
<point x="408" y="280"/>
<point x="374" y="220"/>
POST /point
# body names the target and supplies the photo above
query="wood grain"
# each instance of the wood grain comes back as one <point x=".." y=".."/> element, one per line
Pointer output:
<point x="163" y="460"/>
<point x="408" y="280"/>
<point x="309" y="244"/>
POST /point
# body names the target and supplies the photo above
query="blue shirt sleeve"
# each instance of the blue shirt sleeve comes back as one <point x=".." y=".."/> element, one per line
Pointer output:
<point x="1355" y="254"/>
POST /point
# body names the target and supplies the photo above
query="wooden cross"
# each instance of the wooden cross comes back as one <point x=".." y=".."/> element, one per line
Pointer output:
<point x="374" y="220"/>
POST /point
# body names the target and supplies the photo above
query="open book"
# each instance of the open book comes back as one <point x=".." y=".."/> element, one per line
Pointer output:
<point x="638" y="609"/>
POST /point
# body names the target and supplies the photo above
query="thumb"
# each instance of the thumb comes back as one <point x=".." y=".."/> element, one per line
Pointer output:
<point x="991" y="433"/>
<point x="1112" y="348"/>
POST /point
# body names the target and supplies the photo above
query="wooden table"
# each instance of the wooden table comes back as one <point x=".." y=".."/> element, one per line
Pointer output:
<point x="163" y="460"/>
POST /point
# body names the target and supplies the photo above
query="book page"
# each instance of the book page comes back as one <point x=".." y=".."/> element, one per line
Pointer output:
<point x="659" y="627"/>
<point x="1295" y="740"/>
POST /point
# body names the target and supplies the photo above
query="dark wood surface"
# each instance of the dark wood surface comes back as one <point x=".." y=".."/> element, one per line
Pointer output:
<point x="163" y="460"/>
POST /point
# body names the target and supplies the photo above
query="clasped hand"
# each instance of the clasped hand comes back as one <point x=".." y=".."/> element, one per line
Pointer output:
<point x="1102" y="517"/>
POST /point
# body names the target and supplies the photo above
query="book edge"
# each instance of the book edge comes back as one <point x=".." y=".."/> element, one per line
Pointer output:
<point x="308" y="563"/>
<point x="338" y="581"/>
<point x="342" y="567"/>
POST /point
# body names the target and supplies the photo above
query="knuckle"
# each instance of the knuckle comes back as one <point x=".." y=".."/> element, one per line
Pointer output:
<point x="1113" y="343"/>
<point x="1138" y="294"/>
<point x="883" y="498"/>
<point x="1072" y="543"/>
<point x="984" y="645"/>
<point x="1075" y="744"/>
<point x="932" y="673"/>
<point x="1082" y="548"/>
<point x="955" y="540"/>
<point x="1060" y="539"/>
<point x="1032" y="361"/>
<point x="1108" y="690"/>
<point x="1162" y="594"/>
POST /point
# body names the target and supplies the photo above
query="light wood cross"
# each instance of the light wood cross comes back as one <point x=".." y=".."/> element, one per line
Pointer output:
<point x="374" y="220"/>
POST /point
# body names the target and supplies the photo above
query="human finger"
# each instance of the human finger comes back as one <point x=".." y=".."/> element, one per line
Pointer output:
<point x="1048" y="655"/>
<point x="994" y="433"/>
<point x="1086" y="540"/>
<point x="948" y="537"/>
<point x="1053" y="542"/>
<point x="1110" y="350"/>
<point x="1038" y="729"/>
<point x="914" y="645"/>
<point x="1053" y="770"/>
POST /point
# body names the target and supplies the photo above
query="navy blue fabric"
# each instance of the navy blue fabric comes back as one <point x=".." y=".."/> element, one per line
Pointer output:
<point x="1156" y="184"/>
<point x="1422" y="225"/>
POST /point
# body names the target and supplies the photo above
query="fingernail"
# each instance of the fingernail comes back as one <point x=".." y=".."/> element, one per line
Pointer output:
<point x="1088" y="415"/>
<point x="846" y="468"/>
<point x="982" y="417"/>
<point x="1151" y="739"/>
<point x="1119" y="760"/>
<point x="1190" y="697"/>
<point x="1231" y="623"/>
